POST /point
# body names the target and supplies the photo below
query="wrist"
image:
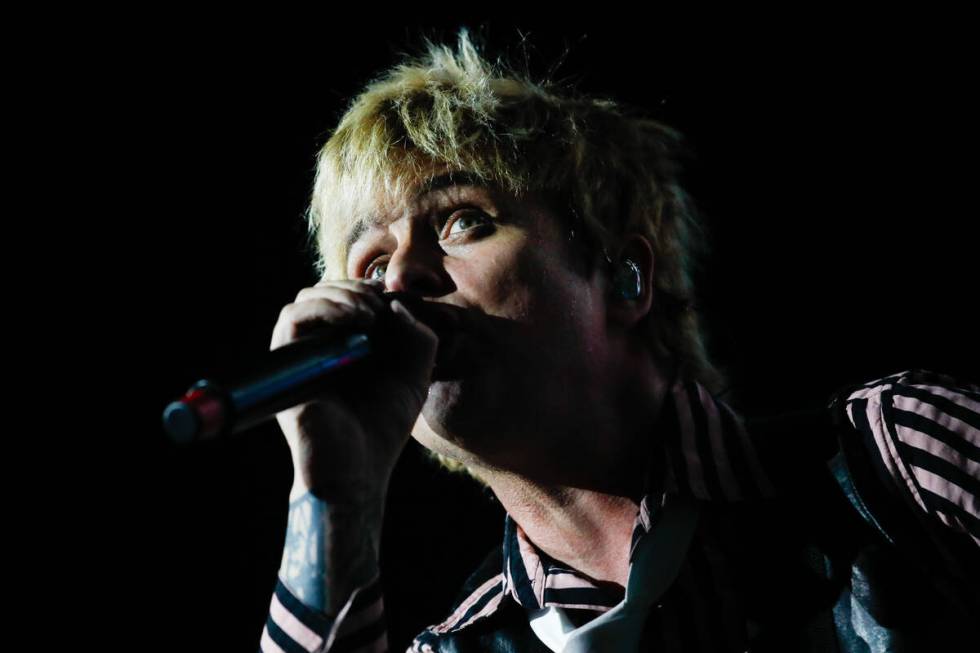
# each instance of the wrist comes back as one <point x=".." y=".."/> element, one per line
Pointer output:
<point x="348" y="504"/>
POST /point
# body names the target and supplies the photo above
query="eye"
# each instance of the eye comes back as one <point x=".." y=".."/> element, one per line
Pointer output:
<point x="376" y="270"/>
<point x="465" y="221"/>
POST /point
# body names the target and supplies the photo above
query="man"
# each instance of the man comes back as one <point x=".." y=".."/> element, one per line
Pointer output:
<point x="556" y="357"/>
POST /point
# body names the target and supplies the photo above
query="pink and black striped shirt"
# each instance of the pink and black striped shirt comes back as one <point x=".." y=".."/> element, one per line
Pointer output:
<point x="921" y="429"/>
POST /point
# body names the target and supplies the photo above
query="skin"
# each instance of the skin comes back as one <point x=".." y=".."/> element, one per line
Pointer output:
<point x="545" y="389"/>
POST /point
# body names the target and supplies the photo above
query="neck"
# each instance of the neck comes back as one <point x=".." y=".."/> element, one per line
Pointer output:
<point x="585" y="529"/>
<point x="586" y="519"/>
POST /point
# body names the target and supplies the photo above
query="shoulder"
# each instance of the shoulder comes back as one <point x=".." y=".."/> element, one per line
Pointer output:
<point x="909" y="464"/>
<point x="921" y="433"/>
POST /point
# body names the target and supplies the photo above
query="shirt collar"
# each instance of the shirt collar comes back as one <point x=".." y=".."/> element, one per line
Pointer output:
<point x="705" y="452"/>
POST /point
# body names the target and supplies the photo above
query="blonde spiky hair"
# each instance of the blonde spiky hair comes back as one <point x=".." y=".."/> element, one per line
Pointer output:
<point x="614" y="173"/>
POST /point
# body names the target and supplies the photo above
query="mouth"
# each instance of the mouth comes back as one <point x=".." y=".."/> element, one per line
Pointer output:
<point x="458" y="330"/>
<point x="448" y="323"/>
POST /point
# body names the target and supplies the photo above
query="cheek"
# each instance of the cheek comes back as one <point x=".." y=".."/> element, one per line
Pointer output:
<point x="499" y="280"/>
<point x="550" y="291"/>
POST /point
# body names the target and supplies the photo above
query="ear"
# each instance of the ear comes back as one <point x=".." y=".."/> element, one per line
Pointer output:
<point x="624" y="311"/>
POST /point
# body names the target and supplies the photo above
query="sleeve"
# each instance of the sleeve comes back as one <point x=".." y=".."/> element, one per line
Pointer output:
<point x="922" y="432"/>
<point x="359" y="627"/>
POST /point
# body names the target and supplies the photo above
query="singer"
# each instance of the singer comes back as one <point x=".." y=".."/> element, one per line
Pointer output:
<point x="550" y="231"/>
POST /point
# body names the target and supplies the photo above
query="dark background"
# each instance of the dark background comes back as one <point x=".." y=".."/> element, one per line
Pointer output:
<point x="834" y="160"/>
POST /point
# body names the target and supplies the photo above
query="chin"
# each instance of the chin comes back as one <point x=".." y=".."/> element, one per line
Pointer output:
<point x="458" y="421"/>
<point x="427" y="433"/>
<point x="445" y="409"/>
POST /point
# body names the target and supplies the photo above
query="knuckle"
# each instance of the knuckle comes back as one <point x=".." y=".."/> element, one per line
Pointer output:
<point x="347" y="293"/>
<point x="350" y="293"/>
<point x="354" y="298"/>
<point x="286" y="312"/>
<point x="305" y="293"/>
<point x="320" y="307"/>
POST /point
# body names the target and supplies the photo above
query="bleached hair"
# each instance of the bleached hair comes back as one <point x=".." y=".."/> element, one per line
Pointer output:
<point x="613" y="173"/>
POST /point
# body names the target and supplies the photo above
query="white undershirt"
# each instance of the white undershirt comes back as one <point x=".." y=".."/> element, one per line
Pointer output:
<point x="552" y="626"/>
<point x="655" y="566"/>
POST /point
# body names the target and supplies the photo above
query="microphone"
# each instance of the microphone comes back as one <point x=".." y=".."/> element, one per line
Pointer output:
<point x="288" y="376"/>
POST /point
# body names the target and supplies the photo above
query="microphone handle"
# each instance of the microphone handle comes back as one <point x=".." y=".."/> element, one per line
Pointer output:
<point x="286" y="377"/>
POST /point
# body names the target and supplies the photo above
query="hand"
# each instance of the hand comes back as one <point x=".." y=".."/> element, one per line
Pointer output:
<point x="344" y="445"/>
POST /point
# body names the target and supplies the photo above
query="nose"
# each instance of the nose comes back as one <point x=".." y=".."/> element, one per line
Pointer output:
<point x="416" y="266"/>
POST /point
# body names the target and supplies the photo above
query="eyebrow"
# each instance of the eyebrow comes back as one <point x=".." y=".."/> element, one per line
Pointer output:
<point x="441" y="182"/>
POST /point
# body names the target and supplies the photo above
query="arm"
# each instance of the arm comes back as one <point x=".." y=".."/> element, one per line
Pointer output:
<point x="344" y="446"/>
<point x="328" y="596"/>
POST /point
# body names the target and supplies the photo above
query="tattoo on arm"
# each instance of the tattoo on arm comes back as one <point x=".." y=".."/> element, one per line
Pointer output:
<point x="327" y="554"/>
<point x="304" y="566"/>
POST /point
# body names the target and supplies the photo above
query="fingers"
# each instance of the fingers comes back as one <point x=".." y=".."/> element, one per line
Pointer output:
<point x="377" y="285"/>
<point x="328" y="303"/>
<point x="360" y="296"/>
<point x="355" y="303"/>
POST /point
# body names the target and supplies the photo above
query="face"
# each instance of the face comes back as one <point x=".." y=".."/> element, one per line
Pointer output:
<point x="530" y="344"/>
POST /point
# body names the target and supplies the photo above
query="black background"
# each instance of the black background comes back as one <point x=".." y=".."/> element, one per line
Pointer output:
<point x="835" y="159"/>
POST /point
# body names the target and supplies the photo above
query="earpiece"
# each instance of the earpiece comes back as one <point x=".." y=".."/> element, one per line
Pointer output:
<point x="628" y="281"/>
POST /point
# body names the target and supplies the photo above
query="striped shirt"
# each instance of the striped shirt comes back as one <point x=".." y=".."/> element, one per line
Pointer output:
<point x="920" y="430"/>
